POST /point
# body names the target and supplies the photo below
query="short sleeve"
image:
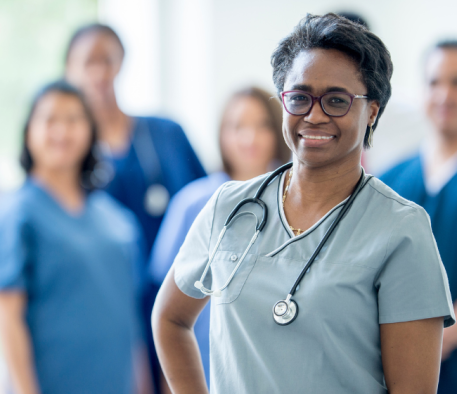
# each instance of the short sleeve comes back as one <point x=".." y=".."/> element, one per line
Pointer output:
<point x="14" y="249"/>
<point x="194" y="253"/>
<point x="412" y="283"/>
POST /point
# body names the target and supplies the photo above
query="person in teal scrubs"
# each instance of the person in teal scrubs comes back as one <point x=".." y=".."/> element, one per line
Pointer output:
<point x="146" y="159"/>
<point x="69" y="315"/>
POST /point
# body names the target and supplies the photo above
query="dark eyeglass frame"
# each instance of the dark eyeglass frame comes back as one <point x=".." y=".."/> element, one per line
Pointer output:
<point x="319" y="98"/>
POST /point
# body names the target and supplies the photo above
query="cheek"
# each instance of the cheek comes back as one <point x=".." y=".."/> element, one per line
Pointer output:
<point x="37" y="139"/>
<point x="229" y="144"/>
<point x="82" y="139"/>
<point x="269" y="143"/>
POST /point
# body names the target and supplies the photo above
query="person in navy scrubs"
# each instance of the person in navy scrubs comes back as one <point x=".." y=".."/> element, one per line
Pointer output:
<point x="251" y="143"/>
<point x="430" y="180"/>
<point x="69" y="317"/>
<point x="147" y="159"/>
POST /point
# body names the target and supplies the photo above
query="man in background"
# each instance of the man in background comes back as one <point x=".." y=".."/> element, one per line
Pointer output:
<point x="430" y="180"/>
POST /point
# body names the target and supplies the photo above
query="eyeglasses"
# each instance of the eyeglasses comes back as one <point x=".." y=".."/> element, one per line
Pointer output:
<point x="297" y="102"/>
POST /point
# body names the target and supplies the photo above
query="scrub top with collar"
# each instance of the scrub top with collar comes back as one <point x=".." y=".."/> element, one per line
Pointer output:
<point x="381" y="265"/>
<point x="78" y="274"/>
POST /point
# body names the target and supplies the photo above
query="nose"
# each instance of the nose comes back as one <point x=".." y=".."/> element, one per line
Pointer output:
<point x="248" y="135"/>
<point x="316" y="114"/>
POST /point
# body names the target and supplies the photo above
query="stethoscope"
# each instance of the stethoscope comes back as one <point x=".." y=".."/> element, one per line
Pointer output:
<point x="157" y="197"/>
<point x="284" y="311"/>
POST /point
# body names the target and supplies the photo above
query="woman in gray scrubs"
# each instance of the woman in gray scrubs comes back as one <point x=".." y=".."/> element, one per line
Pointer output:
<point x="373" y="304"/>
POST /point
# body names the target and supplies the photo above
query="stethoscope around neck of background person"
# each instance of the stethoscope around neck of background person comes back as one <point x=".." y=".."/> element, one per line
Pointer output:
<point x="284" y="311"/>
<point x="156" y="197"/>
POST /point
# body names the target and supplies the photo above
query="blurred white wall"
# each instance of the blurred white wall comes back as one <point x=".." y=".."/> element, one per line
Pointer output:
<point x="190" y="55"/>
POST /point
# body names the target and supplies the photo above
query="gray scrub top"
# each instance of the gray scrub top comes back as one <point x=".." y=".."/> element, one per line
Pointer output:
<point x="381" y="265"/>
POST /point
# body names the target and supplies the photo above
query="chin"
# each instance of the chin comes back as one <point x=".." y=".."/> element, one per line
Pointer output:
<point x="448" y="129"/>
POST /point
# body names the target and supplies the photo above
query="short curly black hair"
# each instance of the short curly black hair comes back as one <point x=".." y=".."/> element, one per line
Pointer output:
<point x="332" y="31"/>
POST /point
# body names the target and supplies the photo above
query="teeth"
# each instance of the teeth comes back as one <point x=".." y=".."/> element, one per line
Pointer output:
<point x="316" y="137"/>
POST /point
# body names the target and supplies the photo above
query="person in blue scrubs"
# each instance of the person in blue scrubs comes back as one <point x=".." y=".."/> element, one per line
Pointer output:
<point x="251" y="143"/>
<point x="69" y="318"/>
<point x="430" y="180"/>
<point x="147" y="160"/>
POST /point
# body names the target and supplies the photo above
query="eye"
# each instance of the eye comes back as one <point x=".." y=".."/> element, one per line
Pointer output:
<point x="337" y="100"/>
<point x="298" y="97"/>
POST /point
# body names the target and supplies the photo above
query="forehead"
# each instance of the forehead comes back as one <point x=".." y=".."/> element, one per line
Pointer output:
<point x="95" y="43"/>
<point x="57" y="101"/>
<point x="442" y="63"/>
<point x="321" y="69"/>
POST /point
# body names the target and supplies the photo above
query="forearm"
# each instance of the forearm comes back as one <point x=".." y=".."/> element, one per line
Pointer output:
<point x="179" y="356"/>
<point x="18" y="354"/>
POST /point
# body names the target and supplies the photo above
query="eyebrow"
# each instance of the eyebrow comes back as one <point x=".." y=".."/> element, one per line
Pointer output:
<point x="308" y="88"/>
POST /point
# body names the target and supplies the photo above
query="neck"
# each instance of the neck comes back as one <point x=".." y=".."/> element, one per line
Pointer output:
<point x="446" y="146"/>
<point x="246" y="174"/>
<point x="107" y="112"/>
<point x="320" y="187"/>
<point x="64" y="186"/>
<point x="113" y="125"/>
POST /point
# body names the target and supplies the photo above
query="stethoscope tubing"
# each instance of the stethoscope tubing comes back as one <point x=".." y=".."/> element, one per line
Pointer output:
<point x="360" y="185"/>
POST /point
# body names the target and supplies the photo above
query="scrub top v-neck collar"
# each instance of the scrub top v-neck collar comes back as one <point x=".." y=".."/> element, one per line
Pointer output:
<point x="285" y="223"/>
<point x="47" y="194"/>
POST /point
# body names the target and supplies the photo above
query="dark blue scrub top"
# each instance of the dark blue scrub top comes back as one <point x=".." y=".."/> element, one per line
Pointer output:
<point x="183" y="210"/>
<point x="407" y="179"/>
<point x="77" y="272"/>
<point x="178" y="164"/>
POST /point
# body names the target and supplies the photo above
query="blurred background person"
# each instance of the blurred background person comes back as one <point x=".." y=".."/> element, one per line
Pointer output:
<point x="251" y="143"/>
<point x="147" y="159"/>
<point x="68" y="316"/>
<point x="430" y="180"/>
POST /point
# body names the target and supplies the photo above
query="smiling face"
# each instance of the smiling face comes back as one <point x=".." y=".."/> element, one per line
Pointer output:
<point x="317" y="139"/>
<point x="59" y="134"/>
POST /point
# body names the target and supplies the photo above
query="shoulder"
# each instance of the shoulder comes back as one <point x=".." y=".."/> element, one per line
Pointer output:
<point x="407" y="166"/>
<point x="21" y="203"/>
<point x="112" y="211"/>
<point x="388" y="206"/>
<point x="160" y="124"/>
<point x="234" y="191"/>
<point x="200" y="190"/>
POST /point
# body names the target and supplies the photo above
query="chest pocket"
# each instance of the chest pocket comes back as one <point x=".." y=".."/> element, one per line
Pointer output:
<point x="222" y="267"/>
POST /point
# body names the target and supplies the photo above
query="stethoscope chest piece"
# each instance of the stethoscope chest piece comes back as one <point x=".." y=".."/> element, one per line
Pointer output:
<point x="285" y="312"/>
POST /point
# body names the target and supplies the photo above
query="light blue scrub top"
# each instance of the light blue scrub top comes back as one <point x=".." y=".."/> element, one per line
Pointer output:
<point x="77" y="273"/>
<point x="381" y="265"/>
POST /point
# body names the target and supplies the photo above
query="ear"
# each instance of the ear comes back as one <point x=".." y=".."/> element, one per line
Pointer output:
<point x="373" y="111"/>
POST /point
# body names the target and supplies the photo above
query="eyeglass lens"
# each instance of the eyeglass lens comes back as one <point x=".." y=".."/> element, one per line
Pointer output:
<point x="334" y="104"/>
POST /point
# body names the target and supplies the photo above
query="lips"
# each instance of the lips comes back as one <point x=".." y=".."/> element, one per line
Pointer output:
<point x="315" y="138"/>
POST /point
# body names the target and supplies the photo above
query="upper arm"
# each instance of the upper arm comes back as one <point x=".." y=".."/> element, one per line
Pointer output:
<point x="191" y="160"/>
<point x="15" y="248"/>
<point x="12" y="306"/>
<point x="412" y="283"/>
<point x="173" y="306"/>
<point x="411" y="355"/>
